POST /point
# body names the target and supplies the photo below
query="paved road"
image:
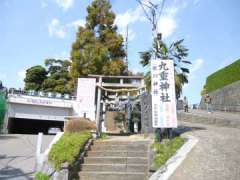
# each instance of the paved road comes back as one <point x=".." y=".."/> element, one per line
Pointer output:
<point x="17" y="155"/>
<point x="216" y="114"/>
<point x="215" y="157"/>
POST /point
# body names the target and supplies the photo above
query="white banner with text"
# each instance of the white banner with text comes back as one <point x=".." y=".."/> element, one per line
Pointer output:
<point x="164" y="113"/>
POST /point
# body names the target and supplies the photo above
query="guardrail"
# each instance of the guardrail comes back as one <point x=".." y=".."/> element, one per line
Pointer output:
<point x="42" y="157"/>
<point x="42" y="94"/>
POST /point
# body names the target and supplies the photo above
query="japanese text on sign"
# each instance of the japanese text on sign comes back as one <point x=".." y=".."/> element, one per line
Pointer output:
<point x="163" y="94"/>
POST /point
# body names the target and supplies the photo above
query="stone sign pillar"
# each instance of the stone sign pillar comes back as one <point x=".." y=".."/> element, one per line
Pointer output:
<point x="146" y="114"/>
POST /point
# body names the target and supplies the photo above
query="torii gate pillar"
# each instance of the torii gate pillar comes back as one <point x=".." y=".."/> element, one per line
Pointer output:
<point x="99" y="93"/>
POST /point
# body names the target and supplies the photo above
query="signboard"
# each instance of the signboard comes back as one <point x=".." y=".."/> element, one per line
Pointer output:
<point x="163" y="94"/>
<point x="86" y="97"/>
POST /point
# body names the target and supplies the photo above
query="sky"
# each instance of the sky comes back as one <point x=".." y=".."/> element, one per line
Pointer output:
<point x="31" y="31"/>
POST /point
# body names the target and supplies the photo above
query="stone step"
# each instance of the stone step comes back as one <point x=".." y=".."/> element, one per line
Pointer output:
<point x="115" y="167"/>
<point x="115" y="160"/>
<point x="84" y="175"/>
<point x="120" y="142"/>
<point x="134" y="147"/>
<point x="117" y="153"/>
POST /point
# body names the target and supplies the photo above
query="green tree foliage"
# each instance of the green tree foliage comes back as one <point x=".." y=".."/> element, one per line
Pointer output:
<point x="58" y="76"/>
<point x="98" y="48"/>
<point x="223" y="77"/>
<point x="35" y="77"/>
<point x="54" y="77"/>
<point x="177" y="52"/>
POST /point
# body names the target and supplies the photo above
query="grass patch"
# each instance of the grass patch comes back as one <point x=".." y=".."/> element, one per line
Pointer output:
<point x="68" y="148"/>
<point x="103" y="136"/>
<point x="41" y="176"/>
<point x="166" y="150"/>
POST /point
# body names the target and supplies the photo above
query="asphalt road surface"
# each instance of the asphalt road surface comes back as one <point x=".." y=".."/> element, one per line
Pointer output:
<point x="17" y="155"/>
<point x="215" y="157"/>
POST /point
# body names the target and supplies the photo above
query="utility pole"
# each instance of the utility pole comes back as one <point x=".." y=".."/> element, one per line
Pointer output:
<point x="153" y="13"/>
<point x="126" y="47"/>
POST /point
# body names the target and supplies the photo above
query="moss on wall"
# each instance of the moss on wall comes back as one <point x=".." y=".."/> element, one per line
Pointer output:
<point x="223" y="77"/>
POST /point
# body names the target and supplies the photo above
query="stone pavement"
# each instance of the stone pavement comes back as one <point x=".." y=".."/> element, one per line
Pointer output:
<point x="219" y="118"/>
<point x="218" y="114"/>
<point x="17" y="155"/>
<point x="215" y="157"/>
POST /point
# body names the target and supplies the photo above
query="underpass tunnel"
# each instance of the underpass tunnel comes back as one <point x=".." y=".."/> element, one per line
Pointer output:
<point x="32" y="126"/>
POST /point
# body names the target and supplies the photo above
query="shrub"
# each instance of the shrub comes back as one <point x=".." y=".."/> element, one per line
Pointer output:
<point x="68" y="148"/>
<point x="41" y="176"/>
<point x="103" y="135"/>
<point x="79" y="125"/>
<point x="166" y="150"/>
<point x="223" y="77"/>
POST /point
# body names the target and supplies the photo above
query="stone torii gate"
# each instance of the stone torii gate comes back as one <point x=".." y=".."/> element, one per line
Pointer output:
<point x="124" y="84"/>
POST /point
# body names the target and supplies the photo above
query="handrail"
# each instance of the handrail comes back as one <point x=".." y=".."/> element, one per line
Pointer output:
<point x="42" y="94"/>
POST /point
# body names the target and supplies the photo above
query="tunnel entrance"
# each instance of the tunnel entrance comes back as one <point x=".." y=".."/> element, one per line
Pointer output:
<point x="32" y="126"/>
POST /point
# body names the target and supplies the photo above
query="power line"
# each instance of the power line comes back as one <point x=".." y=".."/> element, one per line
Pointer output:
<point x="153" y="13"/>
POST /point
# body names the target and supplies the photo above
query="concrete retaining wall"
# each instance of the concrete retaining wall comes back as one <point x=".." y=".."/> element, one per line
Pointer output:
<point x="225" y="99"/>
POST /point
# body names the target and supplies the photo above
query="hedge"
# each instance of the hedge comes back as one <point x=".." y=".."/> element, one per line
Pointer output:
<point x="68" y="148"/>
<point x="223" y="77"/>
<point x="2" y="108"/>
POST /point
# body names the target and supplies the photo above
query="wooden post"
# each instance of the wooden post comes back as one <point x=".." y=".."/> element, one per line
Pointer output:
<point x="99" y="106"/>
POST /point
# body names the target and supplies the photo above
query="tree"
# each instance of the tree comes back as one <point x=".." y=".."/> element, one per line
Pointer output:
<point x="35" y="77"/>
<point x="58" y="76"/>
<point x="177" y="52"/>
<point x="98" y="48"/>
<point x="54" y="77"/>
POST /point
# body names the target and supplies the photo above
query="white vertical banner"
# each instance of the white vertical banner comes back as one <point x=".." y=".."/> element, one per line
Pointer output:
<point x="86" y="97"/>
<point x="164" y="113"/>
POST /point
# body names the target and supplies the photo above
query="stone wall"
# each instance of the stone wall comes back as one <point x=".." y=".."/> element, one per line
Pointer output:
<point x="225" y="99"/>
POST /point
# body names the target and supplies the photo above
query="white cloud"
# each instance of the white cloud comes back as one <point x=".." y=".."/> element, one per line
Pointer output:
<point x="56" y="29"/>
<point x="167" y="24"/>
<point x="126" y="19"/>
<point x="77" y="23"/>
<point x="129" y="17"/>
<point x="197" y="64"/>
<point x="21" y="74"/>
<point x="65" y="4"/>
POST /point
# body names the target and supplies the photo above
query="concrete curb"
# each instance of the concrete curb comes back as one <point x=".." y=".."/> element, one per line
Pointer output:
<point x="172" y="164"/>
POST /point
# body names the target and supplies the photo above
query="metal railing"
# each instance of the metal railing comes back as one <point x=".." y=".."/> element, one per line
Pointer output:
<point x="41" y="94"/>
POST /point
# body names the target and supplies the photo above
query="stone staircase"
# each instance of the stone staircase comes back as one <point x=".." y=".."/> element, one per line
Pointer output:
<point x="116" y="160"/>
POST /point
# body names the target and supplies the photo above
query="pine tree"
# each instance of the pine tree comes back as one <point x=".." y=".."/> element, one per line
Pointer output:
<point x="98" y="48"/>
